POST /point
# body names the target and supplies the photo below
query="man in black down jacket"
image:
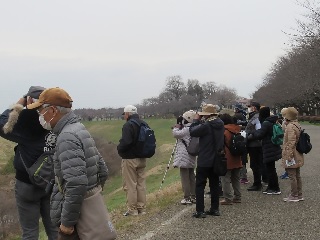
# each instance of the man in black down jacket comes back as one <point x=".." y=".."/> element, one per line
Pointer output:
<point x="22" y="126"/>
<point x="271" y="152"/>
<point x="133" y="167"/>
<point x="211" y="139"/>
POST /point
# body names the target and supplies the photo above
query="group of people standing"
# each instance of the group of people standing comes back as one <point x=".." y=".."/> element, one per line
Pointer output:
<point x="214" y="131"/>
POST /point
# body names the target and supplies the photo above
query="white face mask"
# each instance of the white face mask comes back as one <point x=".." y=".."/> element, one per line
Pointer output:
<point x="44" y="124"/>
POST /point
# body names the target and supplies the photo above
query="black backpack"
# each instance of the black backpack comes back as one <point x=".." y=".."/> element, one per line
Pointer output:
<point x="303" y="145"/>
<point x="237" y="144"/>
<point x="146" y="142"/>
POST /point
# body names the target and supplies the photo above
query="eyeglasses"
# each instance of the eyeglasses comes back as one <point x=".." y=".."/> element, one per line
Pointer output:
<point x="41" y="109"/>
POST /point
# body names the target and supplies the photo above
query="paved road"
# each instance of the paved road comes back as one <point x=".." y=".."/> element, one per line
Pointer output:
<point x="259" y="216"/>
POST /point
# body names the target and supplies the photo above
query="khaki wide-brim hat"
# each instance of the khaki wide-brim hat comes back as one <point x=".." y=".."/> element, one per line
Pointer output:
<point x="208" y="109"/>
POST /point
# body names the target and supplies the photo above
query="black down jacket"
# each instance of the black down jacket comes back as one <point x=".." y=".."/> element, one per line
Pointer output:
<point x="271" y="152"/>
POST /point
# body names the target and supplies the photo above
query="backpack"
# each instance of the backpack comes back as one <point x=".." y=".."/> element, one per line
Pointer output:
<point x="41" y="173"/>
<point x="277" y="134"/>
<point x="237" y="144"/>
<point x="193" y="147"/>
<point x="146" y="143"/>
<point x="303" y="145"/>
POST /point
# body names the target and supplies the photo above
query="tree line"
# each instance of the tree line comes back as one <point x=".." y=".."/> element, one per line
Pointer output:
<point x="176" y="97"/>
<point x="294" y="79"/>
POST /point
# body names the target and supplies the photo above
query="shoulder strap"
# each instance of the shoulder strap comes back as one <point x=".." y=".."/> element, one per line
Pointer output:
<point x="134" y="121"/>
<point x="184" y="142"/>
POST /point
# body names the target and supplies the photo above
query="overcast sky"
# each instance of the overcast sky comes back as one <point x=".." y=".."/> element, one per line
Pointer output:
<point x="119" y="52"/>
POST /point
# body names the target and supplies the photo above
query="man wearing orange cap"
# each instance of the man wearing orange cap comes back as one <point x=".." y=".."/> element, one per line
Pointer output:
<point x="78" y="166"/>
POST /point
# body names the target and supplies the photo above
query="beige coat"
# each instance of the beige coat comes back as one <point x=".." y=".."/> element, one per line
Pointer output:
<point x="289" y="151"/>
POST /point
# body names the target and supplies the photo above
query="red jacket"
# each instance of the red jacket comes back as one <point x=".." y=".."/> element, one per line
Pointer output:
<point x="232" y="161"/>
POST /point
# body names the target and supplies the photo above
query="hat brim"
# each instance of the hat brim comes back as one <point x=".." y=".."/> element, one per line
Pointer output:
<point x="34" y="105"/>
<point x="206" y="113"/>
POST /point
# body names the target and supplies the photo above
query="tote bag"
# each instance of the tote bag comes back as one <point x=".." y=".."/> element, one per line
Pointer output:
<point x="94" y="222"/>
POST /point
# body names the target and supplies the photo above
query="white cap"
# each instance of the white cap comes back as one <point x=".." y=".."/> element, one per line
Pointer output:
<point x="130" y="109"/>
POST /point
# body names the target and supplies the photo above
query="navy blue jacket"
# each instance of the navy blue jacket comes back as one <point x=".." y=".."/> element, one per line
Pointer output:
<point x="31" y="138"/>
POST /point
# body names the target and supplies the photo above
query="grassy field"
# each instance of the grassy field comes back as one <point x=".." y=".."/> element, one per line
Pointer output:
<point x="113" y="193"/>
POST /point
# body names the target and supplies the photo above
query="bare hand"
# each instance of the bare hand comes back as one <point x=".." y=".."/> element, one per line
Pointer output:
<point x="66" y="230"/>
<point x="197" y="116"/>
<point x="22" y="101"/>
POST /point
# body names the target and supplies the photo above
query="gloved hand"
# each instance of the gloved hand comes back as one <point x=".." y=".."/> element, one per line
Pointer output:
<point x="66" y="230"/>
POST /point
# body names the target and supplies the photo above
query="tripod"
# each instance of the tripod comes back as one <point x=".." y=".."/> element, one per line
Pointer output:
<point x="168" y="166"/>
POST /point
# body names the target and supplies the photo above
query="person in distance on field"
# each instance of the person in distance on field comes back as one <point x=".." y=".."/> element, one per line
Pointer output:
<point x="183" y="160"/>
<point x="22" y="126"/>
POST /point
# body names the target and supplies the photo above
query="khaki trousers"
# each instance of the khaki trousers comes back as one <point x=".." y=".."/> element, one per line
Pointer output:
<point x="295" y="179"/>
<point x="232" y="177"/>
<point x="134" y="183"/>
<point x="188" y="182"/>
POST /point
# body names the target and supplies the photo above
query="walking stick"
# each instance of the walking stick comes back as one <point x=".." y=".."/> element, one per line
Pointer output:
<point x="168" y="166"/>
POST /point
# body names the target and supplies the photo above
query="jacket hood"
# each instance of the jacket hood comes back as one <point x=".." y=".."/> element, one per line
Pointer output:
<point x="25" y="119"/>
<point x="232" y="128"/>
<point x="291" y="113"/>
<point x="272" y="119"/>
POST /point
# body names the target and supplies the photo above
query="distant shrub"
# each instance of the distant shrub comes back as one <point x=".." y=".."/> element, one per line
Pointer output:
<point x="109" y="152"/>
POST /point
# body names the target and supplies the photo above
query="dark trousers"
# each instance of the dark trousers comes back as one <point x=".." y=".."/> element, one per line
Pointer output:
<point x="273" y="183"/>
<point x="202" y="174"/>
<point x="256" y="164"/>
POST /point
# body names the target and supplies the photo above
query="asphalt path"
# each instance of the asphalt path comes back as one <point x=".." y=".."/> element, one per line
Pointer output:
<point x="259" y="216"/>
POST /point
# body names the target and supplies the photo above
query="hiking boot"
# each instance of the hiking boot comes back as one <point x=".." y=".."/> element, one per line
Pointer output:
<point x="131" y="213"/>
<point x="255" y="188"/>
<point x="225" y="202"/>
<point x="199" y="215"/>
<point x="244" y="181"/>
<point x="236" y="200"/>
<point x="273" y="192"/>
<point x="213" y="212"/>
<point x="186" y="201"/>
<point x="291" y="198"/>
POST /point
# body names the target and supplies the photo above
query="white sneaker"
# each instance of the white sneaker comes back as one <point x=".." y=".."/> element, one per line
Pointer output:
<point x="186" y="201"/>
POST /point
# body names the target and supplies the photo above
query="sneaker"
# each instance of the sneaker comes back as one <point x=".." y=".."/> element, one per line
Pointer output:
<point x="273" y="192"/>
<point x="199" y="215"/>
<point x="213" y="212"/>
<point x="186" y="201"/>
<point x="284" y="176"/>
<point x="130" y="213"/>
<point x="193" y="200"/>
<point x="291" y="198"/>
<point x="301" y="198"/>
<point x="265" y="191"/>
<point x="225" y="202"/>
<point x="142" y="212"/>
<point x="244" y="181"/>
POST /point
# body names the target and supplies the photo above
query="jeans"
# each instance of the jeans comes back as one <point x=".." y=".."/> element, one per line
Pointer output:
<point x="202" y="173"/>
<point x="33" y="202"/>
